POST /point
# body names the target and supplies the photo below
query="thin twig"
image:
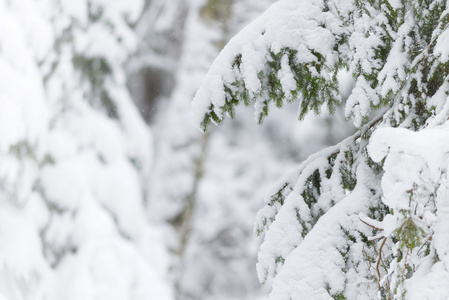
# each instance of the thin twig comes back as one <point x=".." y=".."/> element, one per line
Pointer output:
<point x="372" y="226"/>
<point x="427" y="240"/>
<point x="378" y="261"/>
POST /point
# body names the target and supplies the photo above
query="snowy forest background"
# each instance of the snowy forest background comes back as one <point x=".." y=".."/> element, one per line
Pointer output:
<point x="108" y="190"/>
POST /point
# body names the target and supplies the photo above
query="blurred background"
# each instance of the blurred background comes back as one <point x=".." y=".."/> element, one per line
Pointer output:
<point x="107" y="188"/>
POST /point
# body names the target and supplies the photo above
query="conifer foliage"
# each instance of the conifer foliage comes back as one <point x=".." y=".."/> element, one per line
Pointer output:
<point x="366" y="218"/>
<point x="74" y="155"/>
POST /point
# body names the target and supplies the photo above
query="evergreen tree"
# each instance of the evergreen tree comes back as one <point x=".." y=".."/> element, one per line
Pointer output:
<point x="74" y="156"/>
<point x="367" y="217"/>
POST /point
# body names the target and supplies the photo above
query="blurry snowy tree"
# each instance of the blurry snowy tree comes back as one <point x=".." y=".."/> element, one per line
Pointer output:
<point x="368" y="217"/>
<point x="74" y="156"/>
<point x="204" y="185"/>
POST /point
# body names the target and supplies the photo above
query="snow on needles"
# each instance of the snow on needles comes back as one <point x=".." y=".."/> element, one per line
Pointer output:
<point x="415" y="186"/>
<point x="368" y="218"/>
<point x="286" y="24"/>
